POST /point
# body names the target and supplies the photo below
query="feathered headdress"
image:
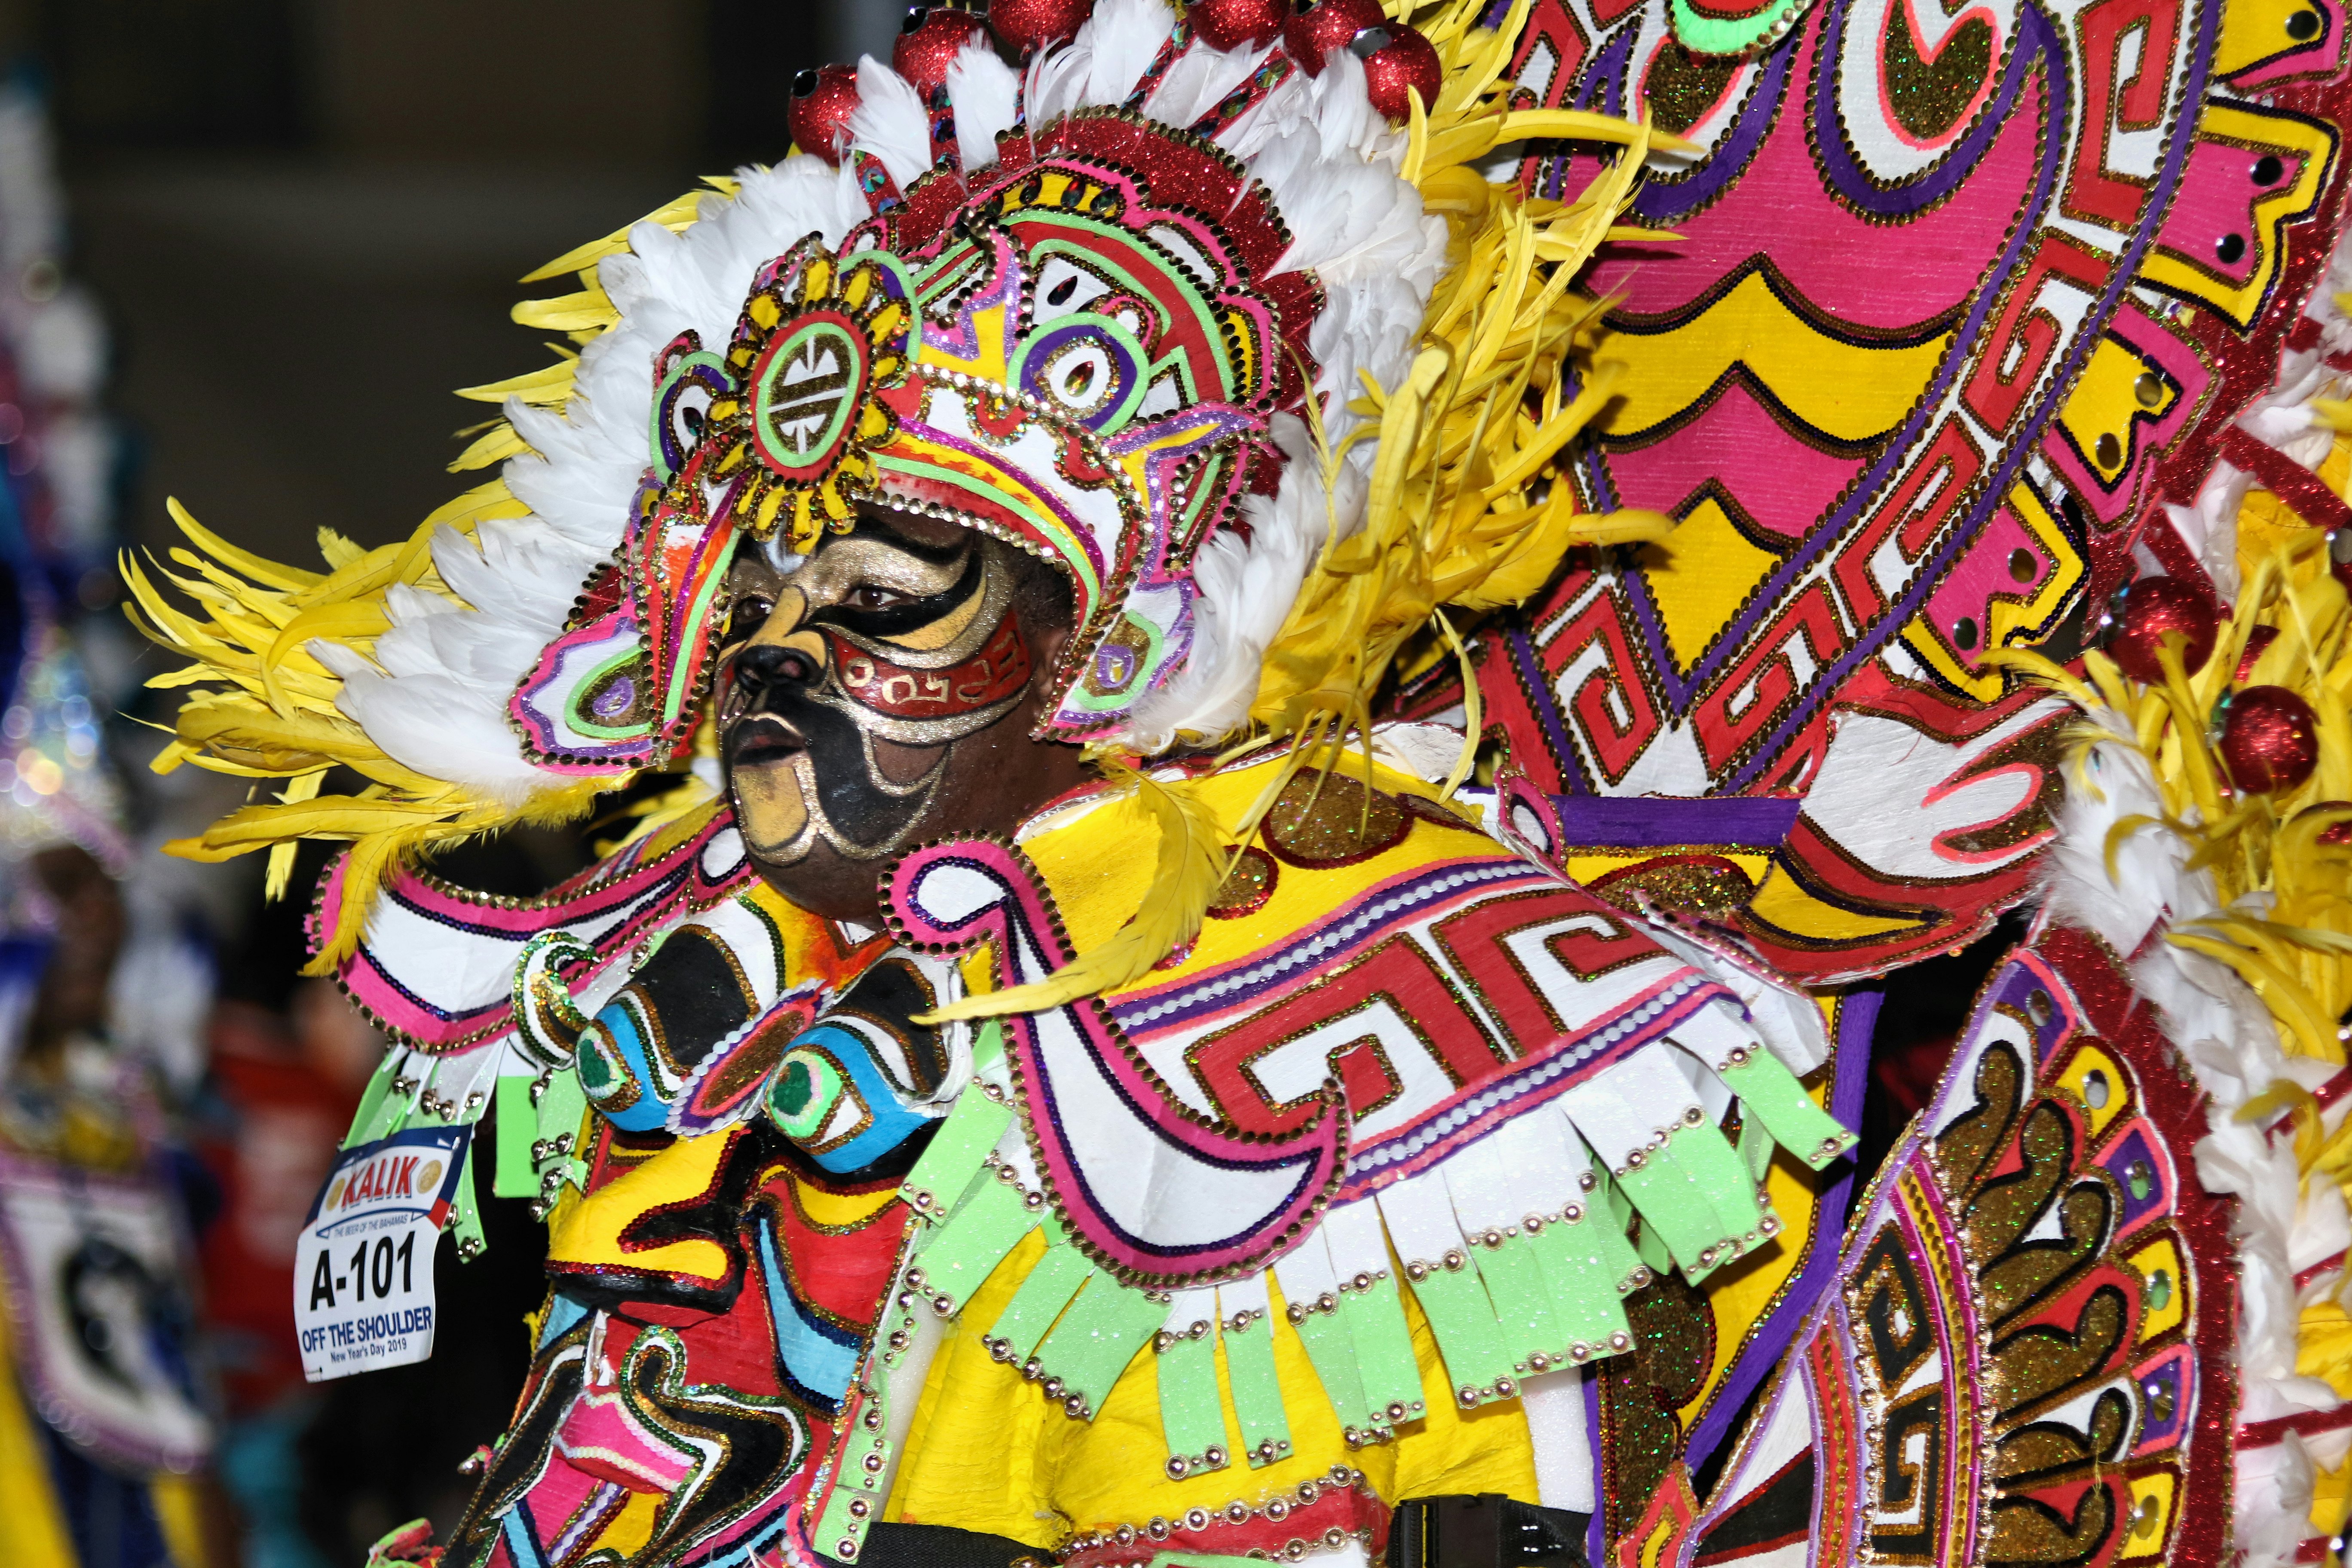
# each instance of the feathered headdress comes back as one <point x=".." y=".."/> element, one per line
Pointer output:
<point x="1275" y="376"/>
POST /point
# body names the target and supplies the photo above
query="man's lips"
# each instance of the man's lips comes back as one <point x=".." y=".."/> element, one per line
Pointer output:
<point x="760" y="739"/>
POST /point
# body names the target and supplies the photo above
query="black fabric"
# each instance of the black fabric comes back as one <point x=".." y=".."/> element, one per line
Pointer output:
<point x="1485" y="1530"/>
<point x="693" y="994"/>
<point x="936" y="1546"/>
<point x="1774" y="1514"/>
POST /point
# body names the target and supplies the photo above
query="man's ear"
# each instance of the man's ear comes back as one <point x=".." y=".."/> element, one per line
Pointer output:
<point x="1045" y="646"/>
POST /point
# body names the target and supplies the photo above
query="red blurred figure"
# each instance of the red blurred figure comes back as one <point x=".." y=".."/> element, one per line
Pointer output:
<point x="290" y="1086"/>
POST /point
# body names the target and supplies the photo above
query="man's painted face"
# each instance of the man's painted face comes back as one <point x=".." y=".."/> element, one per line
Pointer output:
<point x="859" y="692"/>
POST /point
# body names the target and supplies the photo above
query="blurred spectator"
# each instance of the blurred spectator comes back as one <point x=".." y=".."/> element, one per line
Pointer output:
<point x="108" y="1408"/>
<point x="284" y="1092"/>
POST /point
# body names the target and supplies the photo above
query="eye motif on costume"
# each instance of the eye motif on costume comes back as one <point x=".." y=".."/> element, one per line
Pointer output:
<point x="1089" y="366"/>
<point x="862" y="1088"/>
<point x="1084" y="353"/>
<point x="687" y="382"/>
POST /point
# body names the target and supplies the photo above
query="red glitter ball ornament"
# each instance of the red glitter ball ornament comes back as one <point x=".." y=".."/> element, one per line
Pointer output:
<point x="822" y="102"/>
<point x="2146" y="611"/>
<point x="1025" y="26"/>
<point x="928" y="41"/>
<point x="1407" y="63"/>
<point x="1235" y="24"/>
<point x="2270" y="740"/>
<point x="1314" y="31"/>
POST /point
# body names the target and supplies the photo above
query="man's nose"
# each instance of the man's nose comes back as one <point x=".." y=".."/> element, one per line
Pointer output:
<point x="766" y="664"/>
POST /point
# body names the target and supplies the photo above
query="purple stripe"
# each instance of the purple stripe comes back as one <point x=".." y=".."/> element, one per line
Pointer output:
<point x="1662" y="202"/>
<point x="2014" y="451"/>
<point x="1629" y="822"/>
<point x="1857" y="1020"/>
<point x="1547" y="710"/>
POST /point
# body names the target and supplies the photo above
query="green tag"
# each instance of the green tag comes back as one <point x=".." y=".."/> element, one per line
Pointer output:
<point x="1384" y="1358"/>
<point x="1582" y="1281"/>
<point x="1769" y="1093"/>
<point x="1098" y="1338"/>
<point x="466" y="1216"/>
<point x="377" y="1102"/>
<point x="1331" y="1350"/>
<point x="1468" y="1337"/>
<point x="1031" y="1314"/>
<point x="1522" y="1301"/>
<point x="947" y="1166"/>
<point x="1707" y="1158"/>
<point x="1191" y="1415"/>
<point x="517" y="1127"/>
<point x="1756" y="1145"/>
<point x="841" y="1524"/>
<point x="1257" y="1392"/>
<point x="562" y="1109"/>
<point x="958" y="1258"/>
<point x="1675" y="1206"/>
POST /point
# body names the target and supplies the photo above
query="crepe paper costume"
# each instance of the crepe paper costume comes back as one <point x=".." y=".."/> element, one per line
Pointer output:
<point x="1552" y="561"/>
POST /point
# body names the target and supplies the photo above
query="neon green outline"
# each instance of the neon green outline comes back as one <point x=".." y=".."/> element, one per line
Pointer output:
<point x="836" y="426"/>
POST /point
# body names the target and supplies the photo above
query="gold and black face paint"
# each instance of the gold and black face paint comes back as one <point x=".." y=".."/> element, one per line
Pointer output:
<point x="874" y="639"/>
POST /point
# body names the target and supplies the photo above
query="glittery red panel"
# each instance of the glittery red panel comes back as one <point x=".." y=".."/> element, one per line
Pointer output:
<point x="837" y="1273"/>
<point x="734" y="1349"/>
<point x="1267" y="1529"/>
<point x="934" y="200"/>
<point x="2176" y="1105"/>
<point x="2285" y="478"/>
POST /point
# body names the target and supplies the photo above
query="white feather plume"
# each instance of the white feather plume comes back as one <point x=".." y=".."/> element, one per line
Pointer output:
<point x="2224" y="1033"/>
<point x="985" y="94"/>
<point x="1124" y="36"/>
<point x="889" y="123"/>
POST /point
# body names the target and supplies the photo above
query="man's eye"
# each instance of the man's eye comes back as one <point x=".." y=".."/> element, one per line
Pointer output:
<point x="747" y="614"/>
<point x="867" y="596"/>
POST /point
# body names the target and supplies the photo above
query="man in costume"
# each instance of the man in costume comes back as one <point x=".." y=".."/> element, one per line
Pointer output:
<point x="1160" y="1015"/>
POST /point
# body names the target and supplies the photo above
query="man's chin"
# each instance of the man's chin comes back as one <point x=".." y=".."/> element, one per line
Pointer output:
<point x="771" y="809"/>
<point x="773" y="814"/>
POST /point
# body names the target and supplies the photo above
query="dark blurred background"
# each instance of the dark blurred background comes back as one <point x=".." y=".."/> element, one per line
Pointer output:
<point x="303" y="220"/>
<point x="306" y="216"/>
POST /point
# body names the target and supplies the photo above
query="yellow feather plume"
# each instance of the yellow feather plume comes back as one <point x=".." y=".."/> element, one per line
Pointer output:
<point x="1191" y="863"/>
